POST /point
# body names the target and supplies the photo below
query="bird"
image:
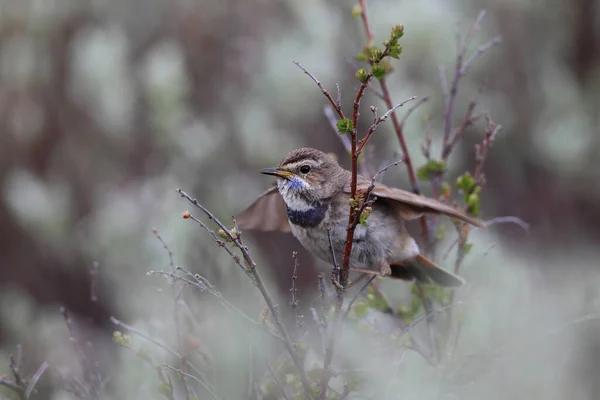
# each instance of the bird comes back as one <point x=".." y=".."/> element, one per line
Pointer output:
<point x="311" y="199"/>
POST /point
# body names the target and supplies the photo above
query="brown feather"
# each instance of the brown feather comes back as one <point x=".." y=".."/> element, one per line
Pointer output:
<point x="410" y="206"/>
<point x="267" y="213"/>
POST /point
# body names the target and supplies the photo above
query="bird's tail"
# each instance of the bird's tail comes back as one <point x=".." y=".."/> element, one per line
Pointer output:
<point x="425" y="271"/>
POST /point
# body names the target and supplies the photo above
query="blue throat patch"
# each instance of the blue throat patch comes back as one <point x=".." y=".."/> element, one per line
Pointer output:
<point x="295" y="184"/>
<point x="308" y="218"/>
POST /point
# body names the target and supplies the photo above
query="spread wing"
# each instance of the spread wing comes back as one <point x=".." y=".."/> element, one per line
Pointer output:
<point x="410" y="206"/>
<point x="267" y="213"/>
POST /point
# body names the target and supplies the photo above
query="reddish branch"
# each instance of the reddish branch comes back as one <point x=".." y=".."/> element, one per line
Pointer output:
<point x="491" y="131"/>
<point x="398" y="128"/>
<point x="341" y="281"/>
<point x="457" y="135"/>
<point x="345" y="270"/>
<point x="365" y="21"/>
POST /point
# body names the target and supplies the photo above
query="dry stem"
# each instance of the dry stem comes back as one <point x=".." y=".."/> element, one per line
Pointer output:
<point x="250" y="266"/>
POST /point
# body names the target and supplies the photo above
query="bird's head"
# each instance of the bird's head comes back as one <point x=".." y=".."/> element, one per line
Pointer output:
<point x="308" y="174"/>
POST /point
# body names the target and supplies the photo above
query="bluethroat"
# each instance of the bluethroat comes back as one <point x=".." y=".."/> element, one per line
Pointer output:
<point x="312" y="198"/>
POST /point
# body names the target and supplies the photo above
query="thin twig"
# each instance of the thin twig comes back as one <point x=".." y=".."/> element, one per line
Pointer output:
<point x="345" y="393"/>
<point x="367" y="283"/>
<point x="378" y="121"/>
<point x="407" y="158"/>
<point x="457" y="135"/>
<point x="94" y="282"/>
<point x="293" y="290"/>
<point x="400" y="134"/>
<point x="440" y="310"/>
<point x="175" y="299"/>
<point x="426" y="144"/>
<point x="11" y="385"/>
<point x="161" y="374"/>
<point x="202" y="286"/>
<point x="322" y="299"/>
<point x="431" y="325"/>
<point x="460" y="70"/>
<point x="336" y="107"/>
<point x="252" y="270"/>
<point x="90" y="370"/>
<point x="444" y="84"/>
<point x="481" y="150"/>
<point x="35" y="378"/>
<point x="157" y="342"/>
<point x="200" y="381"/>
<point x="218" y="241"/>
<point x="479" y="52"/>
<point x="421" y="101"/>
<point x="381" y="171"/>
<point x="144" y="336"/>
<point x="508" y="220"/>
<point x="494" y="221"/>
<point x="278" y="382"/>
<point x="463" y="236"/>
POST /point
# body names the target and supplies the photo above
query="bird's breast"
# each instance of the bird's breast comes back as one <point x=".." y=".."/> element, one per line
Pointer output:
<point x="309" y="217"/>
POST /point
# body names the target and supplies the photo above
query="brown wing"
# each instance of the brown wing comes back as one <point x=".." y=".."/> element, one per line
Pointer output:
<point x="267" y="213"/>
<point x="411" y="206"/>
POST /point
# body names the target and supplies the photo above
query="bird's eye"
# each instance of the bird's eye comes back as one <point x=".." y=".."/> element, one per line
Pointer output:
<point x="305" y="169"/>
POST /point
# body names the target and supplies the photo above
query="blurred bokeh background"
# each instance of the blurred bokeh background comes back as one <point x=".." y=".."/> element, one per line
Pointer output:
<point x="106" y="107"/>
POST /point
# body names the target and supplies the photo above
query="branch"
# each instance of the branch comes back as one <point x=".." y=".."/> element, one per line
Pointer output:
<point x="35" y="378"/>
<point x="378" y="121"/>
<point x="508" y="220"/>
<point x="204" y="287"/>
<point x="293" y="290"/>
<point x="156" y="342"/>
<point x="278" y="382"/>
<point x="457" y="135"/>
<point x="336" y="267"/>
<point x="431" y="324"/>
<point x="444" y="84"/>
<point x="400" y="134"/>
<point x="220" y="243"/>
<point x="94" y="282"/>
<point x="143" y="335"/>
<point x="367" y="283"/>
<point x="341" y="282"/>
<point x="11" y="385"/>
<point x="174" y="294"/>
<point x="479" y="52"/>
<point x="251" y="268"/>
<point x="90" y="370"/>
<point x="335" y="104"/>
<point x="365" y="21"/>
<point x="461" y="69"/>
<point x="200" y="381"/>
<point x="481" y="150"/>
<point x="421" y="101"/>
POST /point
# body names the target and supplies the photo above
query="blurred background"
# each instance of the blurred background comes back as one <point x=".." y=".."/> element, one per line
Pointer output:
<point x="106" y="107"/>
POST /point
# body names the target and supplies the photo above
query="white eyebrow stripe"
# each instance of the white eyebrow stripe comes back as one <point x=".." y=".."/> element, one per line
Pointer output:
<point x="296" y="164"/>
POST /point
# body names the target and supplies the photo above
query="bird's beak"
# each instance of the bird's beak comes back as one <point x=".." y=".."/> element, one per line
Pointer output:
<point x="277" y="172"/>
